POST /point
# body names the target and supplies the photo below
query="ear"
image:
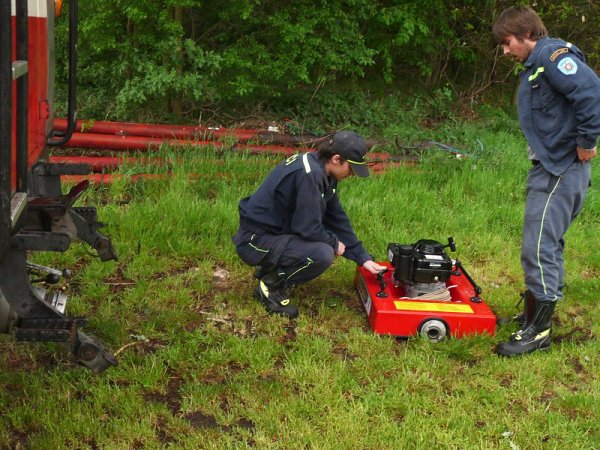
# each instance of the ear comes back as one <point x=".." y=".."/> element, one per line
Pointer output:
<point x="336" y="159"/>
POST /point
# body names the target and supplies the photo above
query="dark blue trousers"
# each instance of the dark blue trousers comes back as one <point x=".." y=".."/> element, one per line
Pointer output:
<point x="299" y="260"/>
<point x="552" y="204"/>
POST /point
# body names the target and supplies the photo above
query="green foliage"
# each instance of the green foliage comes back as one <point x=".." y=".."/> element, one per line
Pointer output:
<point x="164" y="60"/>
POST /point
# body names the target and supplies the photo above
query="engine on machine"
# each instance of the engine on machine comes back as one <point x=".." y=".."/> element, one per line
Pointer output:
<point x="422" y="268"/>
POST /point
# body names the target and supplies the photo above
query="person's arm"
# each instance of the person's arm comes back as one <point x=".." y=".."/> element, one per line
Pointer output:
<point x="581" y="86"/>
<point x="336" y="220"/>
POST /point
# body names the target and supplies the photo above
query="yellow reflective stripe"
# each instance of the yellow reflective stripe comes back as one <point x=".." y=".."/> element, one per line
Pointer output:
<point x="435" y="307"/>
<point x="310" y="261"/>
<point x="355" y="162"/>
<point x="258" y="249"/>
<point x="543" y="334"/>
<point x="535" y="75"/>
<point x="540" y="236"/>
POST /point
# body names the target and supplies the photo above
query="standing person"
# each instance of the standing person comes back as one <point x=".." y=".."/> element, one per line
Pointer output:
<point x="559" y="113"/>
<point x="294" y="224"/>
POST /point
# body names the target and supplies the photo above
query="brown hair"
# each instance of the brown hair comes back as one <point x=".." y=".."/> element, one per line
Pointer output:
<point x="519" y="21"/>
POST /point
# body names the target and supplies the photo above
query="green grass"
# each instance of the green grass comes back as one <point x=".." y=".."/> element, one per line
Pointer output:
<point x="203" y="366"/>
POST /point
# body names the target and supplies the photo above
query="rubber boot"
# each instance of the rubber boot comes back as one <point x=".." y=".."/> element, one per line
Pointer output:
<point x="261" y="271"/>
<point x="535" y="336"/>
<point x="272" y="293"/>
<point x="525" y="318"/>
<point x="528" y="301"/>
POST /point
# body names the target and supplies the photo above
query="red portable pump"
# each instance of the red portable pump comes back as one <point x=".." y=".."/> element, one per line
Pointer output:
<point x="423" y="292"/>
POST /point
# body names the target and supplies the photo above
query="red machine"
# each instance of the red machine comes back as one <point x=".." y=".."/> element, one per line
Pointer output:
<point x="34" y="213"/>
<point x="423" y="292"/>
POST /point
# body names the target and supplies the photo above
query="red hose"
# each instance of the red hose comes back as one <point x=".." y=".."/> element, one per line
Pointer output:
<point x="156" y="130"/>
<point x="125" y="143"/>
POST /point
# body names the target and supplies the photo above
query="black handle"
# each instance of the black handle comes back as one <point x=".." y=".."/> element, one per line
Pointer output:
<point x="477" y="298"/>
<point x="382" y="285"/>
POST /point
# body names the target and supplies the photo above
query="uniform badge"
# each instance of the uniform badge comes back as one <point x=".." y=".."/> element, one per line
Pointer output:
<point x="567" y="66"/>
<point x="558" y="52"/>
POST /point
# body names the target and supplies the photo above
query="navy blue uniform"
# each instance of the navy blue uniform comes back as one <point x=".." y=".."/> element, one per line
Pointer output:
<point x="559" y="109"/>
<point x="294" y="222"/>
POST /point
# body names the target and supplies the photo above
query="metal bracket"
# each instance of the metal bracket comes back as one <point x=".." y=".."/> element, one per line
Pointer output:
<point x="40" y="241"/>
<point x="19" y="68"/>
<point x="18" y="204"/>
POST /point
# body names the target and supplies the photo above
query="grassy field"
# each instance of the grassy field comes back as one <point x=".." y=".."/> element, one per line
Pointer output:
<point x="203" y="366"/>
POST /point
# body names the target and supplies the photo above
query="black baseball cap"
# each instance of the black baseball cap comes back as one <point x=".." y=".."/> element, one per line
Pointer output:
<point x="351" y="146"/>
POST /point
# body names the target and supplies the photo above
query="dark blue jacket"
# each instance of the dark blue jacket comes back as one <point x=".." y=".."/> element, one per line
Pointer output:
<point x="558" y="103"/>
<point x="298" y="198"/>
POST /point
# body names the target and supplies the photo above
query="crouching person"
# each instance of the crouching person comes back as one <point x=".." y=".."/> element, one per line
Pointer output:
<point x="293" y="226"/>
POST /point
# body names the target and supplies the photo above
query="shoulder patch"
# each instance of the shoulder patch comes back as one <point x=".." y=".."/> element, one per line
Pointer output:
<point x="558" y="52"/>
<point x="567" y="66"/>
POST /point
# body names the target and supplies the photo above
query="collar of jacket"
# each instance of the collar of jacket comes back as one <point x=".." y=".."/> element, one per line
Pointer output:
<point x="536" y="51"/>
<point x="329" y="181"/>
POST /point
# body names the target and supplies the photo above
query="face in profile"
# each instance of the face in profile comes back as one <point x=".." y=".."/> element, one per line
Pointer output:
<point x="517" y="49"/>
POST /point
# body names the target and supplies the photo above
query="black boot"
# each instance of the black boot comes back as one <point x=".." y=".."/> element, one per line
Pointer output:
<point x="261" y="271"/>
<point x="535" y="336"/>
<point x="272" y="293"/>
<point x="529" y="310"/>
<point x="522" y="318"/>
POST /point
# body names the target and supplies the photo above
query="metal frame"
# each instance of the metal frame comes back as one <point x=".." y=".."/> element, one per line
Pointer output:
<point x="47" y="221"/>
<point x="5" y="125"/>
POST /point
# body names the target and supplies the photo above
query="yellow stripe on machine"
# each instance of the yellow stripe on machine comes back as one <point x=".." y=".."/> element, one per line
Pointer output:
<point x="436" y="307"/>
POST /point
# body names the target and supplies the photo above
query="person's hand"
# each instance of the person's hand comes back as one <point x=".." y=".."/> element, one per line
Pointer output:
<point x="341" y="248"/>
<point x="373" y="267"/>
<point x="586" y="155"/>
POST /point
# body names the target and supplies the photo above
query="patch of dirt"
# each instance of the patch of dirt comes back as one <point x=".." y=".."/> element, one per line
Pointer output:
<point x="204" y="305"/>
<point x="18" y="440"/>
<point x="343" y="353"/>
<point x="162" y="431"/>
<point x="119" y="382"/>
<point x="20" y="359"/>
<point x="506" y="381"/>
<point x="590" y="274"/>
<point x="279" y="362"/>
<point x="576" y="335"/>
<point x="150" y="346"/>
<point x="200" y="420"/>
<point x="290" y="333"/>
<point x="547" y="397"/>
<point x="221" y="279"/>
<point x="578" y="367"/>
<point x="236" y="367"/>
<point x="171" y="397"/>
<point x="118" y="282"/>
<point x="246" y="424"/>
<point x="174" y="271"/>
<point x="218" y="374"/>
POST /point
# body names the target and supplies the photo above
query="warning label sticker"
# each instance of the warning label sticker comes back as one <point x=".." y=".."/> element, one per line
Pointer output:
<point x="436" y="307"/>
